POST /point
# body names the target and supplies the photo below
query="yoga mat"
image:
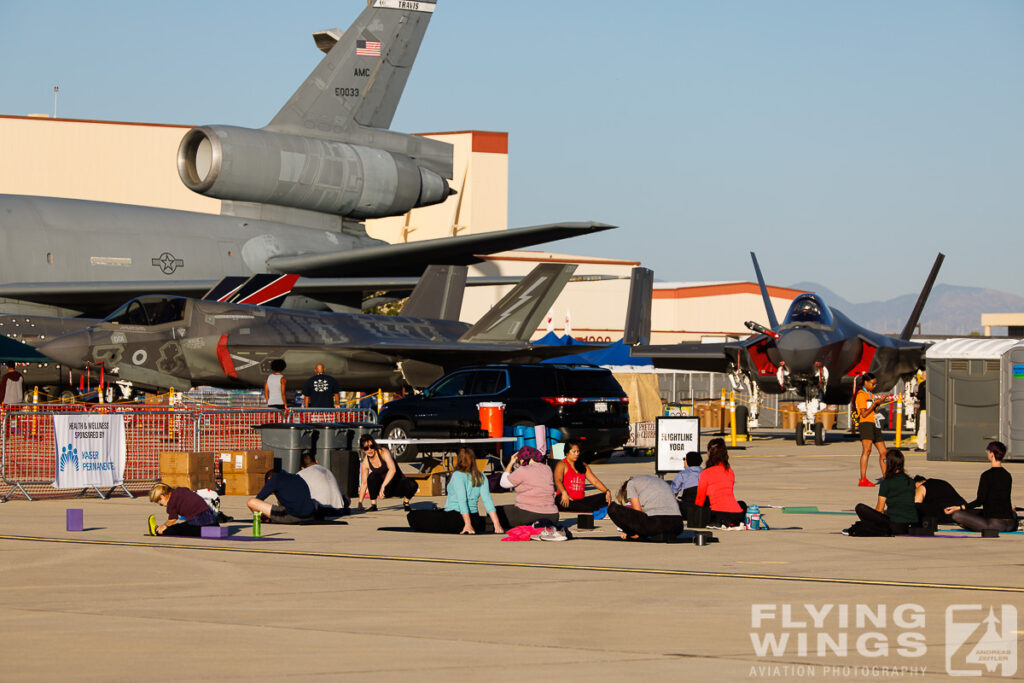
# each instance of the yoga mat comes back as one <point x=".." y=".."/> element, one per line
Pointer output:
<point x="813" y="510"/>
<point x="405" y="529"/>
<point x="965" y="531"/>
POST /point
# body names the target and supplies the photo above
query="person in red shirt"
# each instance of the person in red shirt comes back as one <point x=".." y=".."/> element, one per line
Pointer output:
<point x="715" y="487"/>
<point x="571" y="477"/>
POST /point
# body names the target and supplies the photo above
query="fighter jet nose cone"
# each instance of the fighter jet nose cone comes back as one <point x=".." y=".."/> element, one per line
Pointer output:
<point x="69" y="349"/>
<point x="799" y="348"/>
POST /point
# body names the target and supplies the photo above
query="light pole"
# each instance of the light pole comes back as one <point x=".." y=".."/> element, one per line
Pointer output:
<point x="56" y="89"/>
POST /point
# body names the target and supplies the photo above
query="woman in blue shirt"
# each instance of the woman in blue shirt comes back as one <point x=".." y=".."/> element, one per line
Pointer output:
<point x="466" y="489"/>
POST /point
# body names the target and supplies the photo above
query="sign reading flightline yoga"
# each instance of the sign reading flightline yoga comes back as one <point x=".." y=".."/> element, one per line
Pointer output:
<point x="676" y="436"/>
<point x="90" y="451"/>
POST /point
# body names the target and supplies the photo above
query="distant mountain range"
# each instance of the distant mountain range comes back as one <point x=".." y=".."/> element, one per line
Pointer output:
<point x="950" y="309"/>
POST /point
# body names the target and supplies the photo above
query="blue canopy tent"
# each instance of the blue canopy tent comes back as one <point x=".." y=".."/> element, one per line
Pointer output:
<point x="614" y="354"/>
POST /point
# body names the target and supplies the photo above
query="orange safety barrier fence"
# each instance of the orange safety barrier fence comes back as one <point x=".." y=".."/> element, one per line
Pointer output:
<point x="29" y="452"/>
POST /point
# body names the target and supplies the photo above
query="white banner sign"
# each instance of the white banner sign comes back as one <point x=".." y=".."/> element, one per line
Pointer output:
<point x="676" y="437"/>
<point x="90" y="450"/>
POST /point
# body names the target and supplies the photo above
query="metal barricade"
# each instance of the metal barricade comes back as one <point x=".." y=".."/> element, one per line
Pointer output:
<point x="29" y="449"/>
<point x="321" y="415"/>
<point x="29" y="452"/>
<point x="231" y="430"/>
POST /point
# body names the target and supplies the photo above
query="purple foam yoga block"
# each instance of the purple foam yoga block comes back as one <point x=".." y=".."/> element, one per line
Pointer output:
<point x="214" y="531"/>
<point x="76" y="519"/>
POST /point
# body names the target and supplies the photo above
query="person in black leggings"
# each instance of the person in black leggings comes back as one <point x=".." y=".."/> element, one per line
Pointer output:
<point x="994" y="486"/>
<point x="381" y="476"/>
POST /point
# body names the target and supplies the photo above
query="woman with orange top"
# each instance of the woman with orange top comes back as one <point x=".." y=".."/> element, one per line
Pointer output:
<point x="715" y="487"/>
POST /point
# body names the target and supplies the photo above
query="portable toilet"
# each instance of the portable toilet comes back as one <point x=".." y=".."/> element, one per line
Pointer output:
<point x="1011" y="395"/>
<point x="964" y="396"/>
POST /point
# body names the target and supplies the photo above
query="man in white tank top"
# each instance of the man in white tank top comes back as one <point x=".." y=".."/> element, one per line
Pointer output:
<point x="273" y="388"/>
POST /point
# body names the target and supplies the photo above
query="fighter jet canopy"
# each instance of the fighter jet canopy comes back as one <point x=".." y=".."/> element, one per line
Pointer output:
<point x="808" y="308"/>
<point x="155" y="309"/>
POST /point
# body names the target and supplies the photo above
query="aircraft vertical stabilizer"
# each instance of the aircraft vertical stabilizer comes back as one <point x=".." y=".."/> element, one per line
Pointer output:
<point x="438" y="294"/>
<point x="362" y="77"/>
<point x="773" y="322"/>
<point x="516" y="316"/>
<point x="638" y="310"/>
<point x="915" y="315"/>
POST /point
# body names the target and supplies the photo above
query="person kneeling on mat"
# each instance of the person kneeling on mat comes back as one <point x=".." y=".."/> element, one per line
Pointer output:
<point x="933" y="496"/>
<point x="644" y="507"/>
<point x="894" y="512"/>
<point x="294" y="504"/>
<point x="187" y="512"/>
<point x="534" y="483"/>
<point x="328" y="500"/>
<point x="466" y="489"/>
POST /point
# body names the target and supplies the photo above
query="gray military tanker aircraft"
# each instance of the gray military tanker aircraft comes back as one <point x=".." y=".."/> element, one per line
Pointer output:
<point x="162" y="341"/>
<point x="817" y="351"/>
<point x="294" y="194"/>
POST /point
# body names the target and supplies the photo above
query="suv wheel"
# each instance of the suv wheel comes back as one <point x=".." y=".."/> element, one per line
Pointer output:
<point x="399" y="429"/>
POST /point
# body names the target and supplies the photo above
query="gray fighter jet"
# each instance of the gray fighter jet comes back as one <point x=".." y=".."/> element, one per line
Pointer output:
<point x="162" y="341"/>
<point x="294" y="192"/>
<point x="817" y="351"/>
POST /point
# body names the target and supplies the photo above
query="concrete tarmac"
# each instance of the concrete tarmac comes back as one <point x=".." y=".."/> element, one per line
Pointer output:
<point x="797" y="602"/>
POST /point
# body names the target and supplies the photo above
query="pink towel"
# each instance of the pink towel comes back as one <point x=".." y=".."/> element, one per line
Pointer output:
<point x="521" y="533"/>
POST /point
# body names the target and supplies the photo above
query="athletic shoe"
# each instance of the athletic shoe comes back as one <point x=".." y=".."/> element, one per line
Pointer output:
<point x="865" y="482"/>
<point x="151" y="525"/>
<point x="553" y="534"/>
<point x="845" y="532"/>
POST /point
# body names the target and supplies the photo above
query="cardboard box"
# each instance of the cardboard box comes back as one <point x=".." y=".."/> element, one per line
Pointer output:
<point x="246" y="462"/>
<point x="434" y="484"/>
<point x="243" y="484"/>
<point x="178" y="462"/>
<point x="192" y="481"/>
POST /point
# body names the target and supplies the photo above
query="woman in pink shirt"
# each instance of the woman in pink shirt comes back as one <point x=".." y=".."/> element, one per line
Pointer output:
<point x="534" y="483"/>
<point x="715" y="487"/>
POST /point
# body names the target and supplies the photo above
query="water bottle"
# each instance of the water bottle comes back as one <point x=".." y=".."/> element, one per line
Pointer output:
<point x="753" y="517"/>
<point x="257" y="519"/>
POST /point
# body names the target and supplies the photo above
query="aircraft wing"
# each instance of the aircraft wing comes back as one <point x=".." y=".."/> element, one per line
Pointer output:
<point x="410" y="258"/>
<point x="96" y="299"/>
<point x="458" y="353"/>
<point x="687" y="356"/>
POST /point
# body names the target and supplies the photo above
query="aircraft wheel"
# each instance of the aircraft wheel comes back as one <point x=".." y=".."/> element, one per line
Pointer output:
<point x="800" y="434"/>
<point x="399" y="429"/>
<point x="819" y="434"/>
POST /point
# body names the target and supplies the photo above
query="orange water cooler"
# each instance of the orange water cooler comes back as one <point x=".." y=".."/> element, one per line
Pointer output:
<point x="492" y="418"/>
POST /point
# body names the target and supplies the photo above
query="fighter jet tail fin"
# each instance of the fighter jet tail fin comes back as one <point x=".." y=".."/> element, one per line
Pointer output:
<point x="919" y="306"/>
<point x="438" y="294"/>
<point x="263" y="289"/>
<point x="516" y="316"/>
<point x="773" y="322"/>
<point x="364" y="73"/>
<point x="638" y="310"/>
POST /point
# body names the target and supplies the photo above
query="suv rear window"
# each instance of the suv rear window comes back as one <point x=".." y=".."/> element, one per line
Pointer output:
<point x="588" y="383"/>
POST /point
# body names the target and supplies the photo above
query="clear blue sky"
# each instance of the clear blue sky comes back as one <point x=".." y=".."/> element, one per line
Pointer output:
<point x="845" y="142"/>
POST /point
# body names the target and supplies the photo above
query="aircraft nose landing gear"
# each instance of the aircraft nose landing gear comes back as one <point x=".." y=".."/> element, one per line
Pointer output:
<point x="808" y="427"/>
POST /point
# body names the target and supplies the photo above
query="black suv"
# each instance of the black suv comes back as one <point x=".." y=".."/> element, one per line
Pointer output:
<point x="583" y="402"/>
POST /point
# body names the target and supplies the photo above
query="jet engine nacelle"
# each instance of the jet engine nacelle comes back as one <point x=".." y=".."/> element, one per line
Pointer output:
<point x="248" y="165"/>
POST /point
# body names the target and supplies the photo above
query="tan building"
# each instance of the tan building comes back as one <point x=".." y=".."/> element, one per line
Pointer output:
<point x="1013" y="322"/>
